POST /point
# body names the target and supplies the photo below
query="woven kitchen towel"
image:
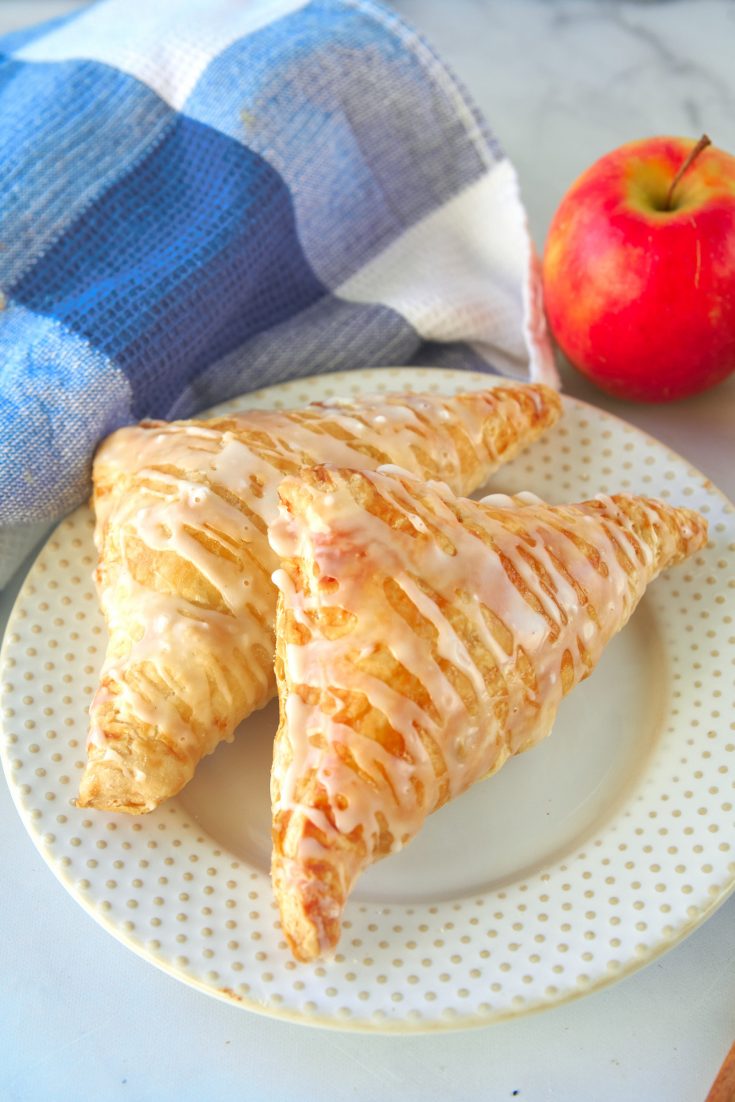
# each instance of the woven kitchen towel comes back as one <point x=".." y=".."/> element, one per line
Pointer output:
<point x="202" y="197"/>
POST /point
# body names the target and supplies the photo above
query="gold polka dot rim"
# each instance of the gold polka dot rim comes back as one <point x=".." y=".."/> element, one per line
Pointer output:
<point x="576" y="865"/>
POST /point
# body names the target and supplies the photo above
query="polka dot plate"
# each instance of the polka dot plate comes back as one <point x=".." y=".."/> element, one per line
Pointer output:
<point x="576" y="864"/>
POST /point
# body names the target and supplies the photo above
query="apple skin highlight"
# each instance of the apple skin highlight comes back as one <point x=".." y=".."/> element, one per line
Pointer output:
<point x="641" y="299"/>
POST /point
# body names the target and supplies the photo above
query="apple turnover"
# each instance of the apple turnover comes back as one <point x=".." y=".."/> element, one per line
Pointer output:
<point x="184" y="573"/>
<point x="423" y="639"/>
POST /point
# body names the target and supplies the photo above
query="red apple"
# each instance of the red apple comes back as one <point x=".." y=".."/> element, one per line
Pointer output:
<point x="639" y="269"/>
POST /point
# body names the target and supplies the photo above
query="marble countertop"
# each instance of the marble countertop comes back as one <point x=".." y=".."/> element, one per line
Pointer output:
<point x="561" y="81"/>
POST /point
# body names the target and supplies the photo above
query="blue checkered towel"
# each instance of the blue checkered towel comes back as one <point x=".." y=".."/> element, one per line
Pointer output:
<point x="202" y="197"/>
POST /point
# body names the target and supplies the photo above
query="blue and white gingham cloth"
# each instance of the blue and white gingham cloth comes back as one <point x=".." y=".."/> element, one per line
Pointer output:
<point x="202" y="197"/>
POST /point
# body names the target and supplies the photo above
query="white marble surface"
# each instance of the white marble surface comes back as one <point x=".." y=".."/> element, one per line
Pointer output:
<point x="561" y="81"/>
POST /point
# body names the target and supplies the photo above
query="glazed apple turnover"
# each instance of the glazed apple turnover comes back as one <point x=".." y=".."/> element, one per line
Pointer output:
<point x="184" y="573"/>
<point x="423" y="639"/>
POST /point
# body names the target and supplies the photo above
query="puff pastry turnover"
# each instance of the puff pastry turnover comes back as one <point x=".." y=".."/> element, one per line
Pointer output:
<point x="422" y="639"/>
<point x="184" y="573"/>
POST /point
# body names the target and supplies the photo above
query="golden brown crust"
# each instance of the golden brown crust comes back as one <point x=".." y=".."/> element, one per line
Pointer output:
<point x="422" y="639"/>
<point x="184" y="562"/>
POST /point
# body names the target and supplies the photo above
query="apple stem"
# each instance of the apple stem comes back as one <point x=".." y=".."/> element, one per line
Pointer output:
<point x="703" y="142"/>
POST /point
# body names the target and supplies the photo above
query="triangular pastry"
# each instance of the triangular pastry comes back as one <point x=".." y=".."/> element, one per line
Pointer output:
<point x="422" y="639"/>
<point x="184" y="571"/>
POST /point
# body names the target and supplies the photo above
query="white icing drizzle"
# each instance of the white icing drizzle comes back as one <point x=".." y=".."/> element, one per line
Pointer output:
<point x="577" y="588"/>
<point x="203" y="494"/>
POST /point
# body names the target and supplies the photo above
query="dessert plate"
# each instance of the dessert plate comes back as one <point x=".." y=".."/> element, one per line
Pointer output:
<point x="576" y="864"/>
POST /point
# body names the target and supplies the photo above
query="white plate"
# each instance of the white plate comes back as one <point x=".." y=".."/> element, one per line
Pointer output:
<point x="577" y="863"/>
